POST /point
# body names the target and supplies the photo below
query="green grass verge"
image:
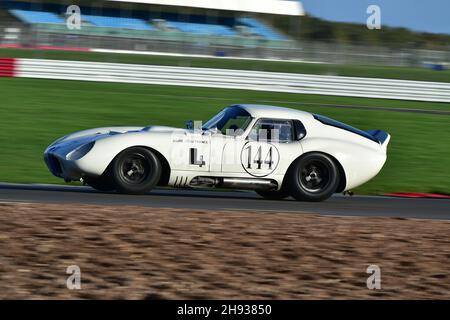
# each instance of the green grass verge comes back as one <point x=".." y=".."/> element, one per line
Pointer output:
<point x="275" y="66"/>
<point x="34" y="113"/>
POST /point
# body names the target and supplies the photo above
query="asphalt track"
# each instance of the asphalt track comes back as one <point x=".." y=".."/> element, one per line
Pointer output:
<point x="215" y="200"/>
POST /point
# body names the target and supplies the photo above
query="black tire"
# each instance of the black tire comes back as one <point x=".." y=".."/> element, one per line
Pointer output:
<point x="313" y="177"/>
<point x="103" y="183"/>
<point x="136" y="171"/>
<point x="273" y="195"/>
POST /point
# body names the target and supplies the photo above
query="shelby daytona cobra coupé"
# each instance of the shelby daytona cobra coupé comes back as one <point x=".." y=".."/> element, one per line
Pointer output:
<point x="277" y="152"/>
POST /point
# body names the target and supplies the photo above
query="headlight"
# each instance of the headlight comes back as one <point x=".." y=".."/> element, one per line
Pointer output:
<point x="80" y="152"/>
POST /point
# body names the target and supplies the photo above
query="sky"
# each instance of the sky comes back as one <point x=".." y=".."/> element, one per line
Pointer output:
<point x="419" y="15"/>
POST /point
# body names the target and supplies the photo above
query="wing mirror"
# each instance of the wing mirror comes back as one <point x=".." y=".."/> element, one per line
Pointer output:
<point x="193" y="125"/>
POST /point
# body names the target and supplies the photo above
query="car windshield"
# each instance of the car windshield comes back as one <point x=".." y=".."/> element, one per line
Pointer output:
<point x="230" y="121"/>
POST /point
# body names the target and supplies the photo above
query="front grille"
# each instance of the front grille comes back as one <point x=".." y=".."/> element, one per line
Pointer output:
<point x="54" y="165"/>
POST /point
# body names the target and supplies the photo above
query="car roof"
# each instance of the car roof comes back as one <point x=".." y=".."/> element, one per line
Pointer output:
<point x="263" y="111"/>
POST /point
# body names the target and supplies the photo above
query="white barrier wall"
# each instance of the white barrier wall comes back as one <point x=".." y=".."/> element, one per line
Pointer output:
<point x="282" y="7"/>
<point x="234" y="79"/>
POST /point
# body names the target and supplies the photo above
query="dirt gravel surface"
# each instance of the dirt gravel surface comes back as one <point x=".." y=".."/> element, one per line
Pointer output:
<point x="147" y="253"/>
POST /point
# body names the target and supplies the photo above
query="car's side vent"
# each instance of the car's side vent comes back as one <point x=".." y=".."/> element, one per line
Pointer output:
<point x="181" y="182"/>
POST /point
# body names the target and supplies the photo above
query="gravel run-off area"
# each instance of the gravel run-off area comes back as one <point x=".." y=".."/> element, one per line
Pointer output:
<point x="155" y="253"/>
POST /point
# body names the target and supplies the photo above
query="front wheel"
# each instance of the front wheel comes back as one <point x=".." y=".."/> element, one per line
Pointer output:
<point x="136" y="171"/>
<point x="313" y="177"/>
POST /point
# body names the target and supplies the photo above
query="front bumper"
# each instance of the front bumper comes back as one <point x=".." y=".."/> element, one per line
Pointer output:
<point x="62" y="168"/>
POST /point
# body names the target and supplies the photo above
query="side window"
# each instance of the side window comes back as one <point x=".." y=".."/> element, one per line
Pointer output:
<point x="272" y="130"/>
<point x="299" y="130"/>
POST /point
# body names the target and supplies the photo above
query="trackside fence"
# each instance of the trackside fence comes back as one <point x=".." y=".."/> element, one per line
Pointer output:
<point x="228" y="79"/>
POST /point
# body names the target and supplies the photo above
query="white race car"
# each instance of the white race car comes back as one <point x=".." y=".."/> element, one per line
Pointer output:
<point x="277" y="152"/>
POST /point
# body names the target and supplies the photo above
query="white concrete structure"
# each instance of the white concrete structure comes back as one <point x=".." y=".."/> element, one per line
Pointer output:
<point x="281" y="7"/>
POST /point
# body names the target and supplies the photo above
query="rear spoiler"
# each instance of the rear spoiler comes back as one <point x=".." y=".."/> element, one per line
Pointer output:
<point x="381" y="136"/>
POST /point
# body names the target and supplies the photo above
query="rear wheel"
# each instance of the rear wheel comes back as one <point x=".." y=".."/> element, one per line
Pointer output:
<point x="136" y="171"/>
<point x="313" y="177"/>
<point x="273" y="195"/>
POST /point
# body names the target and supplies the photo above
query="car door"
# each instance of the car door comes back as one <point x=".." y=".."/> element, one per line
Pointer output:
<point x="268" y="149"/>
<point x="191" y="151"/>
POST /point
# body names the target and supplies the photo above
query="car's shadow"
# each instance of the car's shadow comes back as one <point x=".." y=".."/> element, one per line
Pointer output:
<point x="160" y="192"/>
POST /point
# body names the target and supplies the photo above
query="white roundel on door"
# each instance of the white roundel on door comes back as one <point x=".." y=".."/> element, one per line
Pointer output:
<point x="259" y="158"/>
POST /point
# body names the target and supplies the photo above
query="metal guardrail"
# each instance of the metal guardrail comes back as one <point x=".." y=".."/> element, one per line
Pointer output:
<point x="234" y="79"/>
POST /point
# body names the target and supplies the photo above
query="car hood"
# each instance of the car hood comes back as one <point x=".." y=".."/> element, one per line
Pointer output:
<point x="89" y="135"/>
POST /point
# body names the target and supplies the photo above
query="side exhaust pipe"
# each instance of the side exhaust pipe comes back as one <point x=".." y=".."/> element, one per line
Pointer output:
<point x="252" y="184"/>
<point x="235" y="183"/>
